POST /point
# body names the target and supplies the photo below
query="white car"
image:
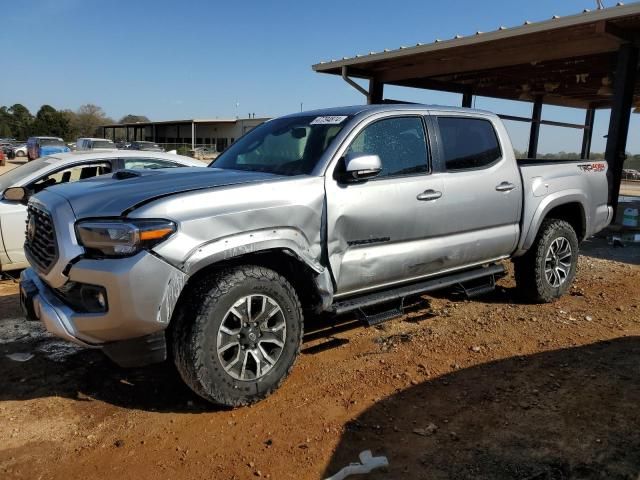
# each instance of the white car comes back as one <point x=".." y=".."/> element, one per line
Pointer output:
<point x="20" y="150"/>
<point x="25" y="180"/>
<point x="94" y="144"/>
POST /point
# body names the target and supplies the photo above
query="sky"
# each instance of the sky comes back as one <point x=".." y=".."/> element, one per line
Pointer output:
<point x="206" y="59"/>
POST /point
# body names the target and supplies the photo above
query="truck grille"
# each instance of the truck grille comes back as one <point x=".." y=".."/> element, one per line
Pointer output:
<point x="40" y="244"/>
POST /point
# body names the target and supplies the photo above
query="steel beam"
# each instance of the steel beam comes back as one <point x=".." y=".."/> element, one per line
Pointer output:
<point x="467" y="99"/>
<point x="623" y="86"/>
<point x="534" y="133"/>
<point x="376" y="92"/>
<point x="587" y="135"/>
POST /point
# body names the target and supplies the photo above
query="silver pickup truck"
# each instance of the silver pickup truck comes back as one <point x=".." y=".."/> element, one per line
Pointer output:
<point x="335" y="210"/>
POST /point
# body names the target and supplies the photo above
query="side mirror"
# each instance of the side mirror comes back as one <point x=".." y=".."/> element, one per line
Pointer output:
<point x="16" y="194"/>
<point x="360" y="166"/>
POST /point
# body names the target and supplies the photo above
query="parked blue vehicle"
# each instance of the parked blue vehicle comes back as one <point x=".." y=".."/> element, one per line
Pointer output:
<point x="42" y="146"/>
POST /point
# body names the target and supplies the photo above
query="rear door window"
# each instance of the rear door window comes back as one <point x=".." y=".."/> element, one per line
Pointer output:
<point x="468" y="143"/>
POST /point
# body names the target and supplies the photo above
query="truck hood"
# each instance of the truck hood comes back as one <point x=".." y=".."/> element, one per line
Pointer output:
<point x="52" y="149"/>
<point x="114" y="194"/>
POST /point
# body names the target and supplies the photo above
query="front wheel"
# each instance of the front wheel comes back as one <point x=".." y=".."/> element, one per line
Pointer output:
<point x="238" y="335"/>
<point x="547" y="270"/>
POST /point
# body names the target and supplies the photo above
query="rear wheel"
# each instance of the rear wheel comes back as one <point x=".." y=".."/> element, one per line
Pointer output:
<point x="19" y="153"/>
<point x="547" y="270"/>
<point x="238" y="335"/>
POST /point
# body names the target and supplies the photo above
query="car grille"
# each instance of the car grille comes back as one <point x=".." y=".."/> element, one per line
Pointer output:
<point x="40" y="244"/>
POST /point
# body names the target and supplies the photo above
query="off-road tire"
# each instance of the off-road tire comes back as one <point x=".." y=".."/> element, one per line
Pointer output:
<point x="529" y="269"/>
<point x="194" y="334"/>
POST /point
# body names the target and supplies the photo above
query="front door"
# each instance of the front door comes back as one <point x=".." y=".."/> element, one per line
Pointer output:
<point x="376" y="229"/>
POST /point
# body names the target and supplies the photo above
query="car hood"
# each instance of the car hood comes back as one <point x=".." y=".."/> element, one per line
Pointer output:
<point x="115" y="194"/>
<point x="49" y="149"/>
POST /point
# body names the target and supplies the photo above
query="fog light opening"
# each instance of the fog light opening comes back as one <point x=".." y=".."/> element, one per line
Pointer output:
<point x="94" y="299"/>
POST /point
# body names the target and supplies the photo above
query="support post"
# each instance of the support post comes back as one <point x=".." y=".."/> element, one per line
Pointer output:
<point x="126" y="133"/>
<point x="376" y="91"/>
<point x="153" y="130"/>
<point x="193" y="135"/>
<point x="534" y="134"/>
<point x="623" y="87"/>
<point x="467" y="99"/>
<point x="587" y="134"/>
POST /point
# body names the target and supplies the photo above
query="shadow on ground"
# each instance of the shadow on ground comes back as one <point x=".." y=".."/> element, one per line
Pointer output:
<point x="60" y="369"/>
<point x="564" y="414"/>
<point x="597" y="247"/>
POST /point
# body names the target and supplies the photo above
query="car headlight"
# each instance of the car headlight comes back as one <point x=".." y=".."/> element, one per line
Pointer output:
<point x="122" y="238"/>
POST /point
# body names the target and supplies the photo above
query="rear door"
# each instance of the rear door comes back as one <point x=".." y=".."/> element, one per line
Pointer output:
<point x="482" y="194"/>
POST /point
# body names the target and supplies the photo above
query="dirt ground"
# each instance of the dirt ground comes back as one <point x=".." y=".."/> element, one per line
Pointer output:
<point x="11" y="164"/>
<point x="482" y="389"/>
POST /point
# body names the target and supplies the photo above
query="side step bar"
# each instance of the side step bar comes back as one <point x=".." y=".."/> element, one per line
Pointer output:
<point x="368" y="300"/>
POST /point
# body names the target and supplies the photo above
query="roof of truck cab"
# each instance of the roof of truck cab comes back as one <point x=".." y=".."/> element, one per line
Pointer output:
<point x="353" y="110"/>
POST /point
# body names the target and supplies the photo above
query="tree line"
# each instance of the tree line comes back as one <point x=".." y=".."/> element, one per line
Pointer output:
<point x="17" y="122"/>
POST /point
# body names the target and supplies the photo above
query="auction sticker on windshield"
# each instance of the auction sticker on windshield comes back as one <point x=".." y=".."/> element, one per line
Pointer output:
<point x="329" y="120"/>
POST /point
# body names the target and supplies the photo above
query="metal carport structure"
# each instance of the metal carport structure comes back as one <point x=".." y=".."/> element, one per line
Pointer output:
<point x="588" y="61"/>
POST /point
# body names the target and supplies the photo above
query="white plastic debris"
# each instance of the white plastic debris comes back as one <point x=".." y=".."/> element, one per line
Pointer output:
<point x="367" y="463"/>
<point x="20" y="357"/>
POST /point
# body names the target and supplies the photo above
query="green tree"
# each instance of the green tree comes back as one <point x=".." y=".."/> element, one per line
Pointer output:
<point x="134" y="118"/>
<point x="5" y="123"/>
<point x="20" y="121"/>
<point x="51" y="122"/>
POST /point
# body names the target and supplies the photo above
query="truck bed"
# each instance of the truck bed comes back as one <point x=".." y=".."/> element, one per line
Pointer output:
<point x="547" y="182"/>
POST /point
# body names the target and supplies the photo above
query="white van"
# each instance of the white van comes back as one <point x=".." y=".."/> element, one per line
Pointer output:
<point x="94" y="144"/>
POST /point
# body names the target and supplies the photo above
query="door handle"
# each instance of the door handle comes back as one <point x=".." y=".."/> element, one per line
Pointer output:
<point x="505" y="187"/>
<point x="428" y="195"/>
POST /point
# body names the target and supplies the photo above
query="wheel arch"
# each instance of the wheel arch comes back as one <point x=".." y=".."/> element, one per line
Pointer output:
<point x="313" y="287"/>
<point x="567" y="206"/>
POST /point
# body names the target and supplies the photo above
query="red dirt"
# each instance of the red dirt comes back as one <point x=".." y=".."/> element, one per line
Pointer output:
<point x="512" y="390"/>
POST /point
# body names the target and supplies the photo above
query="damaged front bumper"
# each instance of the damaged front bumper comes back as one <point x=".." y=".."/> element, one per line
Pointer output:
<point x="141" y="293"/>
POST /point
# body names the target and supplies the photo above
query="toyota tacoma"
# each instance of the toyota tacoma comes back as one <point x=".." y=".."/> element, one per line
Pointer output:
<point x="334" y="211"/>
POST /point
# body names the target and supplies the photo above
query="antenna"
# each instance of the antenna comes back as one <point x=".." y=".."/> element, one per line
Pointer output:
<point x="600" y="4"/>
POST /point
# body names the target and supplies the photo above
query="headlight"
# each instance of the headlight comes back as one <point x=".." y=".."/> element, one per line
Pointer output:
<point x="122" y="238"/>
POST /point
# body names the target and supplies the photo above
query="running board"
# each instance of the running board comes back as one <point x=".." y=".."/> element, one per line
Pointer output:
<point x="399" y="293"/>
<point x="478" y="287"/>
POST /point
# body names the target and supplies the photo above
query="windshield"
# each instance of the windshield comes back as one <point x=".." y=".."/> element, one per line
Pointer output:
<point x="50" y="142"/>
<point x="284" y="146"/>
<point x="102" y="144"/>
<point x="13" y="176"/>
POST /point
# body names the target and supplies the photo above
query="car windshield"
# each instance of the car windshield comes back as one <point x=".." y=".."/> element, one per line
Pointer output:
<point x="51" y="142"/>
<point x="13" y="176"/>
<point x="284" y="146"/>
<point x="102" y="144"/>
